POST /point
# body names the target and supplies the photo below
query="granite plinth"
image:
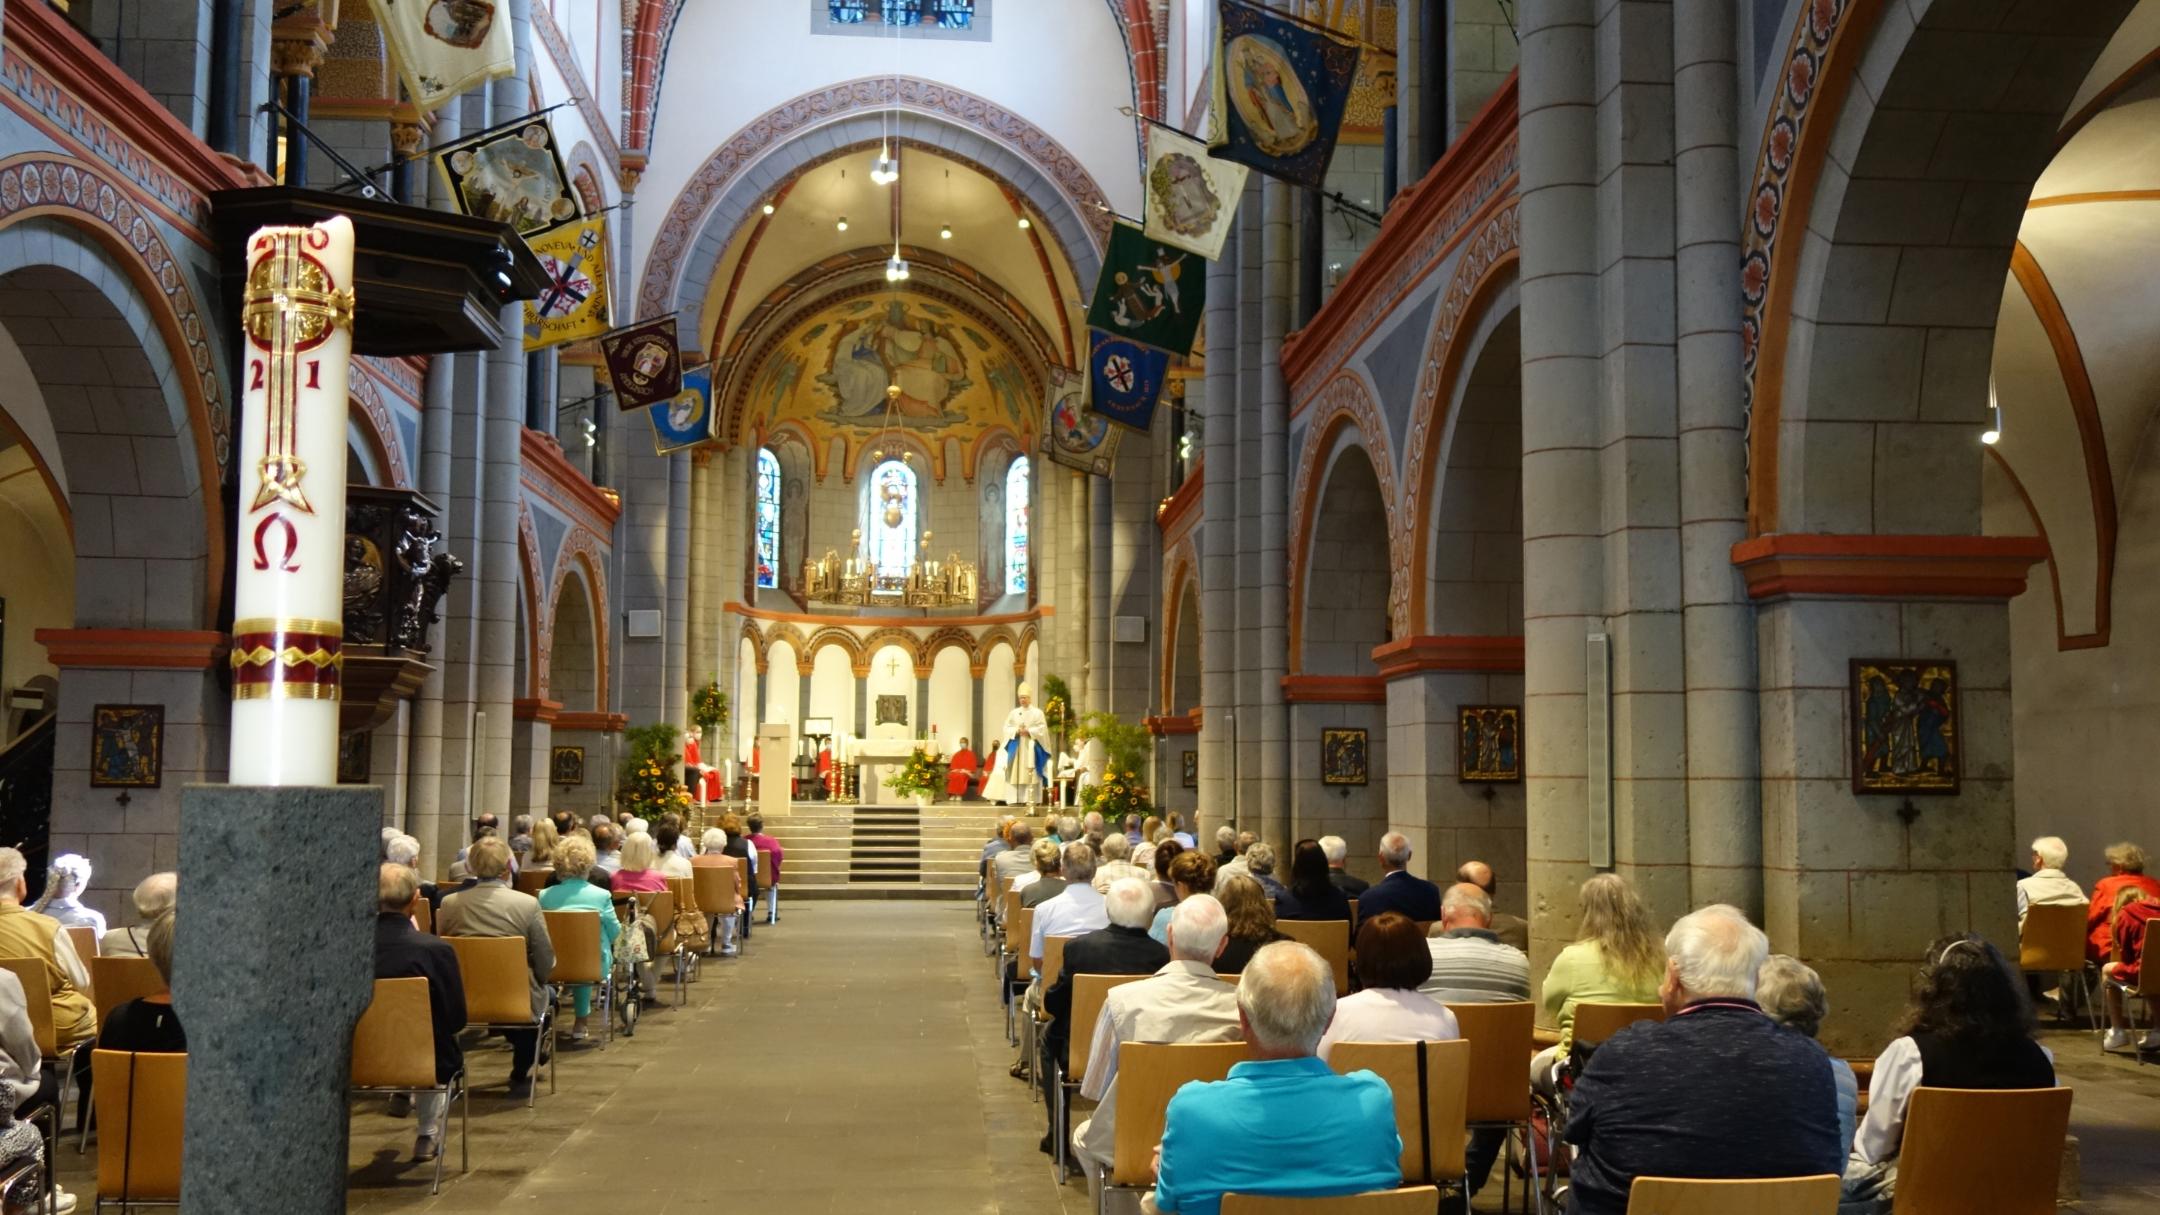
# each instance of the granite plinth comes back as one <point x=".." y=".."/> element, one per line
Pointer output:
<point x="273" y="963"/>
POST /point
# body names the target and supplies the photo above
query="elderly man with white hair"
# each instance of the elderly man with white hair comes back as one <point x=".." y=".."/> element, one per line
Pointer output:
<point x="1182" y="1002"/>
<point x="1398" y="889"/>
<point x="2048" y="886"/>
<point x="1718" y="1090"/>
<point x="1122" y="948"/>
<point x="1075" y="910"/>
<point x="1336" y="850"/>
<point x="1283" y="1123"/>
<point x="153" y="897"/>
<point x="1116" y="864"/>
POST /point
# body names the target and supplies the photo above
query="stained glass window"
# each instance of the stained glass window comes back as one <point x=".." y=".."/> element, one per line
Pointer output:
<point x="848" y="12"/>
<point x="953" y="14"/>
<point x="888" y="526"/>
<point x="1016" y="526"/>
<point x="768" y="518"/>
<point x="907" y="14"/>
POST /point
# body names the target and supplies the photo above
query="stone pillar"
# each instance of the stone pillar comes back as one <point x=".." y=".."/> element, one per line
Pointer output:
<point x="1563" y="562"/>
<point x="532" y="744"/>
<point x="1245" y="508"/>
<point x="1133" y="564"/>
<point x="1723" y="765"/>
<point x="389" y="765"/>
<point x="1448" y="822"/>
<point x="1100" y="495"/>
<point x="1278" y="269"/>
<point x="299" y="37"/>
<point x="1073" y="603"/>
<point x="676" y="650"/>
<point x="702" y="635"/>
<point x="426" y="818"/>
<point x="1218" y="562"/>
<point x="270" y="977"/>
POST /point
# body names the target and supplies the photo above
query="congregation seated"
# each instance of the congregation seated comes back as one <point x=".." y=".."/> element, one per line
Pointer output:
<point x="2135" y="911"/>
<point x="640" y="865"/>
<point x="1236" y="864"/>
<point x="1252" y="921"/>
<point x="1176" y="825"/>
<point x="1122" y="947"/>
<point x="27" y="1082"/>
<point x="673" y="861"/>
<point x="1614" y="959"/>
<point x="1717" y="1090"/>
<point x="521" y="838"/>
<point x="1337" y="850"/>
<point x="2126" y="869"/>
<point x="712" y="850"/>
<point x="1182" y="1002"/>
<point x="540" y="851"/>
<point x="1511" y="929"/>
<point x="405" y="850"/>
<point x="403" y="952"/>
<point x="153" y="896"/>
<point x="606" y="841"/>
<point x="1283" y="1122"/>
<point x="1470" y="964"/>
<point x="1156" y="859"/>
<point x="1792" y="994"/>
<point x="761" y="842"/>
<point x="1075" y="910"/>
<point x="1392" y="963"/>
<point x="27" y="934"/>
<point x="1046" y="880"/>
<point x="1968" y="1025"/>
<point x="490" y="908"/>
<point x="1189" y="873"/>
<point x="1312" y="895"/>
<point x="1226" y="845"/>
<point x="2048" y="885"/>
<point x="738" y="845"/>
<point x="1398" y="889"/>
<point x="149" y="1023"/>
<point x="65" y="882"/>
<point x="1015" y="858"/>
<point x="1115" y="862"/>
<point x="572" y="892"/>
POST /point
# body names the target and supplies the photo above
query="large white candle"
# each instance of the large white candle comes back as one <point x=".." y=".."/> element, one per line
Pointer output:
<point x="288" y="604"/>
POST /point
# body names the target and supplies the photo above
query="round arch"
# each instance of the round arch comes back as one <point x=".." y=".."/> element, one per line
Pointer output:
<point x="846" y="640"/>
<point x="1181" y="617"/>
<point x="1351" y="498"/>
<point x="1346" y="414"/>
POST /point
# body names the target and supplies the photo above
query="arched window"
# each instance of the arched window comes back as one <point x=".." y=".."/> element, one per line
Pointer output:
<point x="1016" y="527"/>
<point x="889" y="514"/>
<point x="768" y="518"/>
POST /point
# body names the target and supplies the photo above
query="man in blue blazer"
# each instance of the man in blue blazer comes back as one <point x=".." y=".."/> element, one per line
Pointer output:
<point x="1398" y="889"/>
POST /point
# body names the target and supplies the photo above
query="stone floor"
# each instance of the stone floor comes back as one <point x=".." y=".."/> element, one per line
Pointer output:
<point x="855" y="1060"/>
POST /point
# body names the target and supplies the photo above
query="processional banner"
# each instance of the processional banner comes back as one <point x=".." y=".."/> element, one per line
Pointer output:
<point x="1280" y="87"/>
<point x="574" y="304"/>
<point x="444" y="47"/>
<point x="644" y="362"/>
<point x="1191" y="196"/>
<point x="1073" y="434"/>
<point x="1149" y="292"/>
<point x="1125" y="379"/>
<point x="687" y="420"/>
<point x="513" y="176"/>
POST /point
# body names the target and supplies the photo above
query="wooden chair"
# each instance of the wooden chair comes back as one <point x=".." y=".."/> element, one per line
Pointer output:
<point x="715" y="888"/>
<point x="38" y="999"/>
<point x="85" y="941"/>
<point x="115" y="981"/>
<point x="1499" y="1097"/>
<point x="1330" y="939"/>
<point x="1033" y="1018"/>
<point x="1149" y="1074"/>
<point x="1417" y="1200"/>
<point x="742" y="883"/>
<point x="577" y="938"/>
<point x="1431" y="1102"/>
<point x="2142" y="995"/>
<point x="1757" y="1196"/>
<point x="660" y="905"/>
<point x="1088" y="994"/>
<point x="1967" y="1150"/>
<point x="393" y="1051"/>
<point x="533" y="879"/>
<point x="1353" y="913"/>
<point x="1019" y="939"/>
<point x="685" y="892"/>
<point x="498" y="992"/>
<point x="424" y="915"/>
<point x="142" y="1100"/>
<point x="2053" y="940"/>
<point x="1596" y="1023"/>
<point x="765" y="887"/>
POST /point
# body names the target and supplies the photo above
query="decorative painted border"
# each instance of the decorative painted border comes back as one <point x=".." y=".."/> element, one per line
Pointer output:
<point x="589" y="552"/>
<point x="539" y="627"/>
<point x="363" y="393"/>
<point x="922" y="650"/>
<point x="558" y="49"/>
<point x="1183" y="563"/>
<point x="1346" y="401"/>
<point x="1887" y="567"/>
<point x="678" y="229"/>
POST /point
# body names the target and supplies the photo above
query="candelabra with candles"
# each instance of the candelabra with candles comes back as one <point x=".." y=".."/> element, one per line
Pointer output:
<point x="856" y="579"/>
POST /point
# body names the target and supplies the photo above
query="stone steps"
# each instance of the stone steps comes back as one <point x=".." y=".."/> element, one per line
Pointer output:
<point x="838" y="851"/>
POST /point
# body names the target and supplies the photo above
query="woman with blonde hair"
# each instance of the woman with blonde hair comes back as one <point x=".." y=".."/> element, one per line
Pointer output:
<point x="1252" y="922"/>
<point x="544" y="839"/>
<point x="574" y="859"/>
<point x="1617" y="957"/>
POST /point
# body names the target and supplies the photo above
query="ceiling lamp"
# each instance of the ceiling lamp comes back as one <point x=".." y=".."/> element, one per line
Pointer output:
<point x="842" y="225"/>
<point x="886" y="170"/>
<point x="896" y="267"/>
<point x="1993" y="434"/>
<point x="857" y="579"/>
<point x="945" y="233"/>
<point x="769" y="208"/>
<point x="1024" y="224"/>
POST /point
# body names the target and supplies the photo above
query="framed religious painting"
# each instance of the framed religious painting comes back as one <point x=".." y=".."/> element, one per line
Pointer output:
<point x="1906" y="733"/>
<point x="891" y="710"/>
<point x="566" y="766"/>
<point x="1190" y="770"/>
<point x="127" y="746"/>
<point x="1491" y="748"/>
<point x="1343" y="755"/>
<point x="355" y="757"/>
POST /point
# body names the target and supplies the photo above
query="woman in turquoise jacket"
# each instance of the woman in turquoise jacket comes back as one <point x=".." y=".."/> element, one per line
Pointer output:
<point x="571" y="892"/>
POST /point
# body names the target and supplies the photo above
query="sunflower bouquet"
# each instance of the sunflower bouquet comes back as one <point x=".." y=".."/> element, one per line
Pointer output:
<point x="921" y="776"/>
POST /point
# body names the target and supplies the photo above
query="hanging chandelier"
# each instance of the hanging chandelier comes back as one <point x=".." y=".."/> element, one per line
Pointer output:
<point x="857" y="579"/>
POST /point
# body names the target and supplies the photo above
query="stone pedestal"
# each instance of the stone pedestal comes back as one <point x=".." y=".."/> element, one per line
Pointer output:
<point x="272" y="967"/>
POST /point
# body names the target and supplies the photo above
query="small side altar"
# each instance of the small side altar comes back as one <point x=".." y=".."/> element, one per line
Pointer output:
<point x="878" y="760"/>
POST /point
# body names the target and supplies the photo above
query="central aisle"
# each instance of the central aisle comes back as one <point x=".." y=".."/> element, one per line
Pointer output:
<point x="853" y="1061"/>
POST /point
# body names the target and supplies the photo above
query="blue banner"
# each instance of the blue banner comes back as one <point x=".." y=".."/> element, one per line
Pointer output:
<point x="1280" y="87"/>
<point x="1125" y="379"/>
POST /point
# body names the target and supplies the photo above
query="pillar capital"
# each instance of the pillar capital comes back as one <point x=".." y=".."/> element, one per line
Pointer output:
<point x="1410" y="655"/>
<point x="1786" y="565"/>
<point x="134" y="649"/>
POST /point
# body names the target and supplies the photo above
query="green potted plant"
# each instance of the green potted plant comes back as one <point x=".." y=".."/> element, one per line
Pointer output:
<point x="709" y="708"/>
<point x="920" y="777"/>
<point x="649" y="783"/>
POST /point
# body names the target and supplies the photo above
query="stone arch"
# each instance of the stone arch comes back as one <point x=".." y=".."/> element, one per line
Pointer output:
<point x="65" y="258"/>
<point x="1021" y="647"/>
<point x="1829" y="252"/>
<point x="723" y="192"/>
<point x="584" y="552"/>
<point x="783" y="631"/>
<point x="989" y="639"/>
<point x="947" y="638"/>
<point x="843" y="638"/>
<point x="880" y="638"/>
<point x="1345" y="410"/>
<point x="756" y="638"/>
<point x="574" y="659"/>
<point x="538" y="623"/>
<point x="372" y="415"/>
<point x="1482" y="289"/>
<point x="1181" y="618"/>
<point x="1349" y="556"/>
<point x="993" y="439"/>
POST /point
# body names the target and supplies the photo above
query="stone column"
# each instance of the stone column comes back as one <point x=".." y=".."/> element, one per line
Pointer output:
<point x="1100" y="494"/>
<point x="1723" y="765"/>
<point x="1563" y="563"/>
<point x="1133" y="565"/>
<point x="702" y="634"/>
<point x="1245" y="509"/>
<point x="1218" y="561"/>
<point x="1278" y="269"/>
<point x="532" y="741"/>
<point x="675" y="653"/>
<point x="1073" y="603"/>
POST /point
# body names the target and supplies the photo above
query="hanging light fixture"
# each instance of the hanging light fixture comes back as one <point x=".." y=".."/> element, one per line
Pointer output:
<point x="768" y="208"/>
<point x="896" y="267"/>
<point x="945" y="233"/>
<point x="1024" y="224"/>
<point x="842" y="225"/>
<point x="886" y="170"/>
<point x="1993" y="434"/>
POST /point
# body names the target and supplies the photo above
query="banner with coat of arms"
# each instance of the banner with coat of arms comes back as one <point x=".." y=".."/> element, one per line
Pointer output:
<point x="574" y="304"/>
<point x="513" y="176"/>
<point x="1125" y="379"/>
<point x="444" y="47"/>
<point x="1149" y="292"/>
<point x="1191" y="196"/>
<point x="1073" y="434"/>
<point x="1279" y="89"/>
<point x="644" y="363"/>
<point x="687" y="420"/>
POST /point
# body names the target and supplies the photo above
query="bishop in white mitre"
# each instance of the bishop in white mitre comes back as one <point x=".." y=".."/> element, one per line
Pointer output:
<point x="1023" y="756"/>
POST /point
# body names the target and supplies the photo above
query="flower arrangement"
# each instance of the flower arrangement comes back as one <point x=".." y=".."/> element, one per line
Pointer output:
<point x="1120" y="793"/>
<point x="921" y="776"/>
<point x="709" y="707"/>
<point x="1056" y="703"/>
<point x="650" y="784"/>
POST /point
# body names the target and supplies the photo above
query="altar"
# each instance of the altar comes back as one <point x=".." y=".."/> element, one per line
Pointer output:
<point x="879" y="760"/>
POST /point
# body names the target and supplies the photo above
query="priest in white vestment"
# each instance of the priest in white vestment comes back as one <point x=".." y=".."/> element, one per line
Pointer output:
<point x="1023" y="757"/>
